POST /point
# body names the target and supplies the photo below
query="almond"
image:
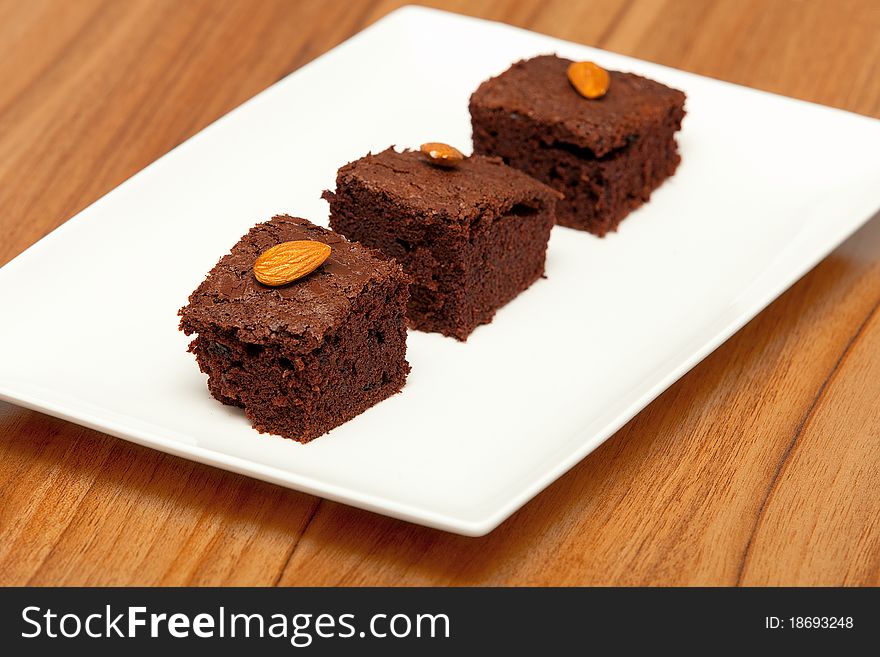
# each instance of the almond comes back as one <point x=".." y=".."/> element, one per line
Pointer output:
<point x="590" y="80"/>
<point x="441" y="154"/>
<point x="289" y="261"/>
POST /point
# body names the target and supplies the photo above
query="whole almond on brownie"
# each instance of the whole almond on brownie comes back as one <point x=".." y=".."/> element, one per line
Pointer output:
<point x="289" y="261"/>
<point x="442" y="154"/>
<point x="589" y="79"/>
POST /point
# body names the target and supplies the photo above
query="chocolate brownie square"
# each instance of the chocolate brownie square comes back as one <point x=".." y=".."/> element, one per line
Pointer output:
<point x="304" y="357"/>
<point x="606" y="155"/>
<point x="470" y="237"/>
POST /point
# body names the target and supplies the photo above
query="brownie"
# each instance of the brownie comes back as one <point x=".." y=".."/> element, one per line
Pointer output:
<point x="605" y="155"/>
<point x="470" y="237"/>
<point x="305" y="357"/>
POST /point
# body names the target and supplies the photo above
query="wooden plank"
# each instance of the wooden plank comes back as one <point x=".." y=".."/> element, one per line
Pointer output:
<point x="813" y="528"/>
<point x="756" y="468"/>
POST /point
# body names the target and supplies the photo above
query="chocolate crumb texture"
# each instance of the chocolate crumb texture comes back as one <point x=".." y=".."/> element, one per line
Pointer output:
<point x="303" y="358"/>
<point x="470" y="238"/>
<point x="606" y="156"/>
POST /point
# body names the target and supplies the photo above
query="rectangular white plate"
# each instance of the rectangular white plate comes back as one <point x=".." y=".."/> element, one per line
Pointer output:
<point x="767" y="187"/>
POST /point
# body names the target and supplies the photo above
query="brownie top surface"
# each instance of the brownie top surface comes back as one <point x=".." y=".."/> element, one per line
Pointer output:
<point x="477" y="186"/>
<point x="231" y="299"/>
<point x="539" y="88"/>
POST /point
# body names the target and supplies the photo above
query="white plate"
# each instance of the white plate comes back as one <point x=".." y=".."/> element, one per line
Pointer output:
<point x="767" y="187"/>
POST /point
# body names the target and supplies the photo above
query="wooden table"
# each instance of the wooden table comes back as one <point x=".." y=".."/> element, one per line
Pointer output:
<point x="761" y="466"/>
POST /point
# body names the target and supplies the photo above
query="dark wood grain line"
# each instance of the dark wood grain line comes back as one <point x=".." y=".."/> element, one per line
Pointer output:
<point x="529" y="21"/>
<point x="786" y="454"/>
<point x="297" y="541"/>
<point x="615" y="21"/>
<point x="360" y="19"/>
<point x="112" y="447"/>
<point x="301" y="58"/>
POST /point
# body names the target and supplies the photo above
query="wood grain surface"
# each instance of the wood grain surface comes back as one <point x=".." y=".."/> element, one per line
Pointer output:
<point x="758" y="467"/>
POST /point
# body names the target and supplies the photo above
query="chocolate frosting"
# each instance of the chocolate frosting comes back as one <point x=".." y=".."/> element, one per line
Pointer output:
<point x="539" y="90"/>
